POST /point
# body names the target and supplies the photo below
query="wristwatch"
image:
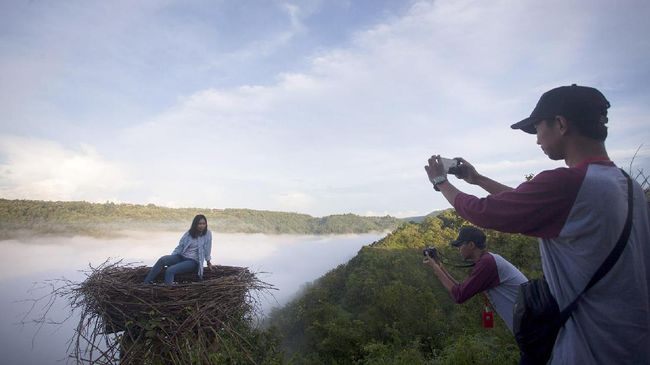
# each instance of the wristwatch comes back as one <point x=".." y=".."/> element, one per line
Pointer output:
<point x="437" y="181"/>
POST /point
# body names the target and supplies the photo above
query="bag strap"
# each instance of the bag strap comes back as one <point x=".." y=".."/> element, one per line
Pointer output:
<point x="613" y="256"/>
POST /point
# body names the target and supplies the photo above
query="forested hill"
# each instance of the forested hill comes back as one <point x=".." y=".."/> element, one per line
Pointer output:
<point x="385" y="307"/>
<point x="18" y="217"/>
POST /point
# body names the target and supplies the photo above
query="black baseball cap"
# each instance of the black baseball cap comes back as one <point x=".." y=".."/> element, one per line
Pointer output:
<point x="469" y="233"/>
<point x="578" y="103"/>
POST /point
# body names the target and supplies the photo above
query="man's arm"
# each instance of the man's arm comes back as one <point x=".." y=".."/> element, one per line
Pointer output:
<point x="468" y="173"/>
<point x="443" y="276"/>
<point x="449" y="275"/>
<point x="436" y="169"/>
<point x="491" y="186"/>
<point x="548" y="197"/>
<point x="484" y="276"/>
<point x="449" y="191"/>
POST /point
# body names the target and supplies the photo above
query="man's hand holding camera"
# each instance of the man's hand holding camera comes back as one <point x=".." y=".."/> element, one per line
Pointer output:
<point x="438" y="168"/>
<point x="431" y="258"/>
<point x="437" y="173"/>
<point x="457" y="166"/>
<point x="466" y="171"/>
<point x="435" y="265"/>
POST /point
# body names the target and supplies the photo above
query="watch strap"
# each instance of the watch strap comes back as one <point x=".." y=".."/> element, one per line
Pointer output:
<point x="437" y="181"/>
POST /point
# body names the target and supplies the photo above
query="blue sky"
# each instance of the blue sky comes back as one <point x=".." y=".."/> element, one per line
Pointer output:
<point x="319" y="107"/>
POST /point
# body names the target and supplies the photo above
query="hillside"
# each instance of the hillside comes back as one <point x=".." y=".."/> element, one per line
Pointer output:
<point x="19" y="217"/>
<point x="385" y="307"/>
<point x="420" y="219"/>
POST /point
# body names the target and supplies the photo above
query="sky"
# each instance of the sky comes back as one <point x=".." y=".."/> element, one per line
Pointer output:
<point x="317" y="107"/>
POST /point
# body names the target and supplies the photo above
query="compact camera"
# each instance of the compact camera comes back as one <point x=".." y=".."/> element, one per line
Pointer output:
<point x="431" y="252"/>
<point x="451" y="165"/>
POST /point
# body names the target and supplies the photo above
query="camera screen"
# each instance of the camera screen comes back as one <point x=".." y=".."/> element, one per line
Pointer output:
<point x="448" y="163"/>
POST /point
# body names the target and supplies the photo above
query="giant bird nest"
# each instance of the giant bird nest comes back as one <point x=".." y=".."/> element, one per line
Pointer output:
<point x="125" y="321"/>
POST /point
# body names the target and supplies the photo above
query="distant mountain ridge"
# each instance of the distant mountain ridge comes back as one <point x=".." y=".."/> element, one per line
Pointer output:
<point x="420" y="219"/>
<point x="18" y="217"/>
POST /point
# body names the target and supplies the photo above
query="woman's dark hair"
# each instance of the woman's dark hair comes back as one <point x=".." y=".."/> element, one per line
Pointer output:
<point x="194" y="231"/>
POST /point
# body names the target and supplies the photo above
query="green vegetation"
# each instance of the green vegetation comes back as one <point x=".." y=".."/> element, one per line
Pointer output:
<point x="382" y="307"/>
<point x="240" y="342"/>
<point x="19" y="217"/>
<point x="385" y="307"/>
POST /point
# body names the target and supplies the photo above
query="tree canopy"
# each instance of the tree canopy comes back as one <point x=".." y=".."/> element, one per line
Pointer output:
<point x="385" y="307"/>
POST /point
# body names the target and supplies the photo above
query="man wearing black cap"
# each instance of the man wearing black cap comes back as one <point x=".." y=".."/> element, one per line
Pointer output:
<point x="491" y="274"/>
<point x="578" y="214"/>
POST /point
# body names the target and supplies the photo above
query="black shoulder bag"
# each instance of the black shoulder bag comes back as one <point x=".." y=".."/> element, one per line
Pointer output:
<point x="537" y="316"/>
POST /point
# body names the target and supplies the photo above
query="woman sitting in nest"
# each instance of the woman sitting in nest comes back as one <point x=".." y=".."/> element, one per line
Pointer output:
<point x="193" y="248"/>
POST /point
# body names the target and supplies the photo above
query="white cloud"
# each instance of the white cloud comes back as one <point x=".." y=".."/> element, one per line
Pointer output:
<point x="372" y="113"/>
<point x="352" y="129"/>
<point x="39" y="169"/>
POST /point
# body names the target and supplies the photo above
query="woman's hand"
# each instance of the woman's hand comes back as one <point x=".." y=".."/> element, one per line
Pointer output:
<point x="210" y="266"/>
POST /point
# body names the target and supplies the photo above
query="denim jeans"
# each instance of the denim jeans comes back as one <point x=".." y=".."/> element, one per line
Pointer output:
<point x="176" y="264"/>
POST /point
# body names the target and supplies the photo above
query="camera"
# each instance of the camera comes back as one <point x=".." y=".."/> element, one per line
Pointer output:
<point x="431" y="252"/>
<point x="451" y="165"/>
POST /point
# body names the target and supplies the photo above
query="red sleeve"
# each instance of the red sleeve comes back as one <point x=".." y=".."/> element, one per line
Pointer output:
<point x="538" y="207"/>
<point x="484" y="276"/>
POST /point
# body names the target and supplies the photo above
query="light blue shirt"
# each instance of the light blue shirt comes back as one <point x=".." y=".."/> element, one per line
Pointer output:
<point x="204" y="244"/>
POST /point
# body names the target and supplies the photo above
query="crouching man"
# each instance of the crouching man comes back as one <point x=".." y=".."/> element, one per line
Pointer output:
<point x="491" y="274"/>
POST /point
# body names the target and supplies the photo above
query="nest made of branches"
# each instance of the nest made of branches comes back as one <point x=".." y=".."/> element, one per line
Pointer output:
<point x="120" y="297"/>
<point x="123" y="320"/>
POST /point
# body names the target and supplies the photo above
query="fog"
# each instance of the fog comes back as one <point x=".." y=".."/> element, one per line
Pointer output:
<point x="286" y="261"/>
